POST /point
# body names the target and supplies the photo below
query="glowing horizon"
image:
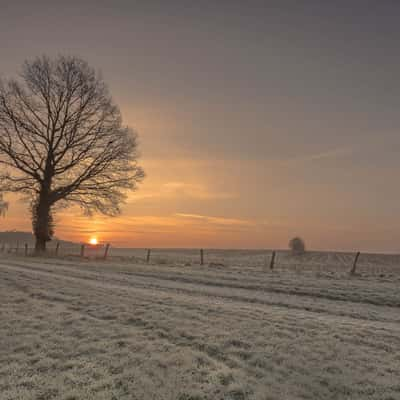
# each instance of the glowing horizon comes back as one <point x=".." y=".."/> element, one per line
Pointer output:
<point x="93" y="241"/>
<point x="261" y="125"/>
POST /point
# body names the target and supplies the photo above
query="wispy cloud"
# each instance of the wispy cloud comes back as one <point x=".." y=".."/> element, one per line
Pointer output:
<point x="216" y="220"/>
<point x="334" y="153"/>
<point x="339" y="152"/>
<point x="80" y="227"/>
<point x="178" y="189"/>
<point x="198" y="191"/>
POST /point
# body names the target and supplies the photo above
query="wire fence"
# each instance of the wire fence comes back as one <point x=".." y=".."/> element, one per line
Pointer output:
<point x="58" y="250"/>
<point x="262" y="260"/>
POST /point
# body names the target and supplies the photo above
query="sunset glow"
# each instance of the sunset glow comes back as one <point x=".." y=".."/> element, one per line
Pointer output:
<point x="252" y="147"/>
<point x="199" y="200"/>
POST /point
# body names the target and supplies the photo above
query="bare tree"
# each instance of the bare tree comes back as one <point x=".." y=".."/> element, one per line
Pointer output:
<point x="297" y="246"/>
<point x="62" y="142"/>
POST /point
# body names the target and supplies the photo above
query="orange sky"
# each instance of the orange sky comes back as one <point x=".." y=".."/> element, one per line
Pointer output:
<point x="191" y="199"/>
<point x="172" y="209"/>
<point x="256" y="123"/>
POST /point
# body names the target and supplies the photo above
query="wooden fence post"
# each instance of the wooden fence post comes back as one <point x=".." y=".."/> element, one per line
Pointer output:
<point x="271" y="265"/>
<point x="26" y="249"/>
<point x="57" y="248"/>
<point x="353" y="270"/>
<point x="148" y="256"/>
<point x="82" y="250"/>
<point x="201" y="257"/>
<point x="106" y="251"/>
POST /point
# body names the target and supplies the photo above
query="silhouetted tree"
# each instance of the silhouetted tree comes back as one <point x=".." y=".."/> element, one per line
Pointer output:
<point x="297" y="246"/>
<point x="62" y="142"/>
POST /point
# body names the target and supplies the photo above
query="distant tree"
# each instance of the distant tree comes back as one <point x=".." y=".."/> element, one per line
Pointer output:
<point x="62" y="142"/>
<point x="297" y="246"/>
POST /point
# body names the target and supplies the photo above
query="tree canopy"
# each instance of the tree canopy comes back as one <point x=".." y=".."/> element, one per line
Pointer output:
<point x="62" y="141"/>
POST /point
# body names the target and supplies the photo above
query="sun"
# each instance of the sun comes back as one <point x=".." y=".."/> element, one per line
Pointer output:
<point x="93" y="241"/>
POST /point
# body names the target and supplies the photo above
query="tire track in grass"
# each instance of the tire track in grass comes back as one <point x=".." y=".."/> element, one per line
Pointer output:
<point x="93" y="282"/>
<point x="312" y="291"/>
<point x="138" y="323"/>
<point x="118" y="292"/>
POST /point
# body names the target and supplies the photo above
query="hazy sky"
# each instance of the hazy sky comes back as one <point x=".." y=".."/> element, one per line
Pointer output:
<point x="259" y="120"/>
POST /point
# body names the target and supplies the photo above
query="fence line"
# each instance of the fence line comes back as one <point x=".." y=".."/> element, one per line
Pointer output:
<point x="352" y="264"/>
<point x="90" y="251"/>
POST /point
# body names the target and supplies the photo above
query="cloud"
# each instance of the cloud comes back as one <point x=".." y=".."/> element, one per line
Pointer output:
<point x="323" y="155"/>
<point x="80" y="227"/>
<point x="197" y="191"/>
<point x="334" y="153"/>
<point x="216" y="220"/>
<point x="178" y="189"/>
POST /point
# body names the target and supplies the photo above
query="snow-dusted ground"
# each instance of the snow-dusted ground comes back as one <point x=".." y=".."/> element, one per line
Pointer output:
<point x="121" y="329"/>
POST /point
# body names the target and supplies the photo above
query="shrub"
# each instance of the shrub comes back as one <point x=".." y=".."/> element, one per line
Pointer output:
<point x="297" y="246"/>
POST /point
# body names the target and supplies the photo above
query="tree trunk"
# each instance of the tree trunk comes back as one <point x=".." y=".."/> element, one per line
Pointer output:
<point x="40" y="245"/>
<point x="42" y="222"/>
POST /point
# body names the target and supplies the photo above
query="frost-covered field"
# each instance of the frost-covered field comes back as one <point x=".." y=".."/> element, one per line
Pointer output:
<point x="121" y="329"/>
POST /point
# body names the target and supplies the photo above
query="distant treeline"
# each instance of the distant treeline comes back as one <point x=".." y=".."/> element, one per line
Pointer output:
<point x="13" y="237"/>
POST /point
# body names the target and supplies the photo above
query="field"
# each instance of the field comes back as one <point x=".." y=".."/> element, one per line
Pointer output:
<point x="172" y="329"/>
